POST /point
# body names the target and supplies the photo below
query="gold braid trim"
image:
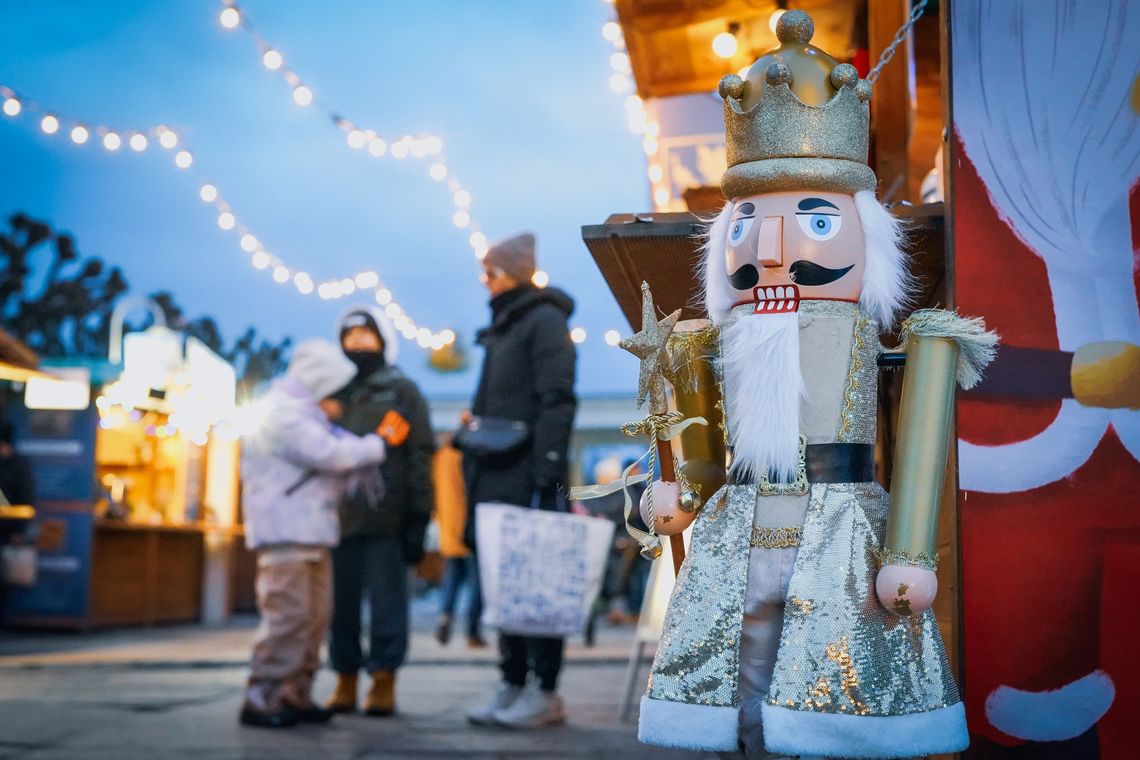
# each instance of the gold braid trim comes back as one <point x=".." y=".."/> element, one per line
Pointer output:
<point x="776" y="538"/>
<point x="686" y="349"/>
<point x="847" y="414"/>
<point x="904" y="557"/>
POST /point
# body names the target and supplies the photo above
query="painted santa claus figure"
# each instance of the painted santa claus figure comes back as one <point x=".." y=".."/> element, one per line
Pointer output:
<point x="800" y="622"/>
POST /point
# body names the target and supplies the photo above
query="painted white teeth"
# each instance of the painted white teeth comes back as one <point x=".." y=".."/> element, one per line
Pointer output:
<point x="779" y="292"/>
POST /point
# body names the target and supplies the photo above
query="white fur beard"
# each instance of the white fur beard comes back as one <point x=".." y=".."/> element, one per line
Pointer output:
<point x="762" y="387"/>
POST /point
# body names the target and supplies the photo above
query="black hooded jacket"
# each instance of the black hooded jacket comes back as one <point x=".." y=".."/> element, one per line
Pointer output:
<point x="528" y="374"/>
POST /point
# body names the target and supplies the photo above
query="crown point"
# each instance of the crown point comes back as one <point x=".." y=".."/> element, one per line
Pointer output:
<point x="844" y="75"/>
<point x="731" y="86"/>
<point x="795" y="26"/>
<point x="863" y="90"/>
<point x="779" y="73"/>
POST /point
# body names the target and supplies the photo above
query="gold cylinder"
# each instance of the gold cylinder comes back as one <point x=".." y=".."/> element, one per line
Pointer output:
<point x="696" y="393"/>
<point x="924" y="425"/>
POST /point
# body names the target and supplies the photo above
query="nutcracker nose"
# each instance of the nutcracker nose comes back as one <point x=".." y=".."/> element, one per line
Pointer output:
<point x="770" y="242"/>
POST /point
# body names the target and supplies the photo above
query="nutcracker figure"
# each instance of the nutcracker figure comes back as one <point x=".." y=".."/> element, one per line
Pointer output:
<point x="800" y="624"/>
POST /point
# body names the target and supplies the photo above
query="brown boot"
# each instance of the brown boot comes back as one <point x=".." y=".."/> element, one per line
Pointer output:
<point x="381" y="699"/>
<point x="343" y="699"/>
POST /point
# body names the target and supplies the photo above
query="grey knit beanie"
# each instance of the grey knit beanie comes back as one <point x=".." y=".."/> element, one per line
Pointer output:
<point x="514" y="256"/>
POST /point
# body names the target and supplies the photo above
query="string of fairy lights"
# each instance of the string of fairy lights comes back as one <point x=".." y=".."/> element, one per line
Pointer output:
<point x="422" y="146"/>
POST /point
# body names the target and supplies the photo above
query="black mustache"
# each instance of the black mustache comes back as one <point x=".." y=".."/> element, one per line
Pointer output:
<point x="744" y="278"/>
<point x="808" y="273"/>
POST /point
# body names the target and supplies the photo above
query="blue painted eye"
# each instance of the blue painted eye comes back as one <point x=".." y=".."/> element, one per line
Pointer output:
<point x="820" y="226"/>
<point x="738" y="230"/>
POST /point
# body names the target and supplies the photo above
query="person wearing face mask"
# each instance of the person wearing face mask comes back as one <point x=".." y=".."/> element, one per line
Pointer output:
<point x="379" y="541"/>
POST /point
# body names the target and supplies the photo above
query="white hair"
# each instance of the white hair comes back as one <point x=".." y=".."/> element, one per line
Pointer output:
<point x="887" y="285"/>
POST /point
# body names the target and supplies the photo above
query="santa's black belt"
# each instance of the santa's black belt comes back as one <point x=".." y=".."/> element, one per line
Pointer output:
<point x="830" y="463"/>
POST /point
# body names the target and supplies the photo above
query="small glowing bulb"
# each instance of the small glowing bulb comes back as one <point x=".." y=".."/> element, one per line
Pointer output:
<point x="112" y="141"/>
<point x="230" y="18"/>
<point x="49" y="124"/>
<point x="613" y="337"/>
<point x="661" y="196"/>
<point x="419" y="148"/>
<point x="208" y="193"/>
<point x="448" y="336"/>
<point x="650" y="146"/>
<point x="79" y="135"/>
<point x="347" y="286"/>
<point x="249" y="243"/>
<point x="611" y="30"/>
<point x="434" y="145"/>
<point x="477" y="240"/>
<point x="280" y="274"/>
<point x="480" y="251"/>
<point x="183" y="159"/>
<point x="226" y="220"/>
<point x="540" y="279"/>
<point x="167" y="138"/>
<point x="619" y="82"/>
<point x="724" y="44"/>
<point x="634" y="103"/>
<point x="655" y="173"/>
<point x="12" y="107"/>
<point x="392" y="310"/>
<point x="302" y="95"/>
<point x="462" y="199"/>
<point x="437" y="342"/>
<point x="461" y="219"/>
<point x="774" y="19"/>
<point x="578" y="335"/>
<point x="400" y="150"/>
<point x="304" y="283"/>
<point x="438" y="171"/>
<point x="260" y="260"/>
<point x="652" y="128"/>
<point x="272" y="60"/>
<point x="619" y="62"/>
<point x="138" y="143"/>
<point x="423" y="337"/>
<point x="355" y="138"/>
<point x="383" y="296"/>
<point x="377" y="147"/>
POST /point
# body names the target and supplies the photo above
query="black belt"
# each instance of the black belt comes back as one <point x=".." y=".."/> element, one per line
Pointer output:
<point x="831" y="463"/>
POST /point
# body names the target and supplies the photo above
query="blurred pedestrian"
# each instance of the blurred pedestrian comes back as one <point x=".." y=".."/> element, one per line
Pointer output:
<point x="460" y="570"/>
<point x="379" y="541"/>
<point x="528" y="376"/>
<point x="294" y="464"/>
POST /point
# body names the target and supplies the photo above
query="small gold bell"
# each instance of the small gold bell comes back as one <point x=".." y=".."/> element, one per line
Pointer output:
<point x="651" y="549"/>
<point x="689" y="502"/>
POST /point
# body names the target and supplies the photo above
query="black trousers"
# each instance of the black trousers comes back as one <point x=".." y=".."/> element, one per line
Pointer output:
<point x="520" y="655"/>
<point x="372" y="566"/>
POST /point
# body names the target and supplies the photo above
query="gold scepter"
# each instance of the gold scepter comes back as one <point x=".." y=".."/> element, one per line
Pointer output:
<point x="650" y="345"/>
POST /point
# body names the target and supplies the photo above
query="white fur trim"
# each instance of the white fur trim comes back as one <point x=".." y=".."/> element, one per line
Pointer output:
<point x="686" y="726"/>
<point x="762" y="389"/>
<point x="887" y="283"/>
<point x="1051" y="716"/>
<point x="387" y="329"/>
<point x="796" y="732"/>
<point x="712" y="268"/>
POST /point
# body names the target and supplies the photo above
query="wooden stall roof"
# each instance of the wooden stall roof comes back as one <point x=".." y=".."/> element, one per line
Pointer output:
<point x="670" y="41"/>
<point x="663" y="249"/>
<point x="17" y="361"/>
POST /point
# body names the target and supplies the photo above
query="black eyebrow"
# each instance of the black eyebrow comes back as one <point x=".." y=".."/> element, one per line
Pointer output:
<point x="807" y="204"/>
<point x="745" y="208"/>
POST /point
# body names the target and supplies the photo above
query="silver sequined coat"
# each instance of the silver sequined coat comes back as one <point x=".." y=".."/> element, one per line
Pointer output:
<point x="850" y="679"/>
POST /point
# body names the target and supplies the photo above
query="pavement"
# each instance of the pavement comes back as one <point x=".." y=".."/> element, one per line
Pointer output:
<point x="175" y="693"/>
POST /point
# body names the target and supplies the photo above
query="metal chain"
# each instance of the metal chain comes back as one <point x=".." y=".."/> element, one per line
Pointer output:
<point x="915" y="14"/>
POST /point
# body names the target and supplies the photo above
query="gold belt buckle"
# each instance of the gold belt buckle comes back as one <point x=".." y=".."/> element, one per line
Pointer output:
<point x="797" y="487"/>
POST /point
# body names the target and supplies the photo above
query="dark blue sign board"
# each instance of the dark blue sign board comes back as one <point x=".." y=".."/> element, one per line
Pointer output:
<point x="61" y="447"/>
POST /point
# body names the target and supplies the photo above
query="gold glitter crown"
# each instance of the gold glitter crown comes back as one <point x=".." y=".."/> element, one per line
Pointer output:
<point x="799" y="121"/>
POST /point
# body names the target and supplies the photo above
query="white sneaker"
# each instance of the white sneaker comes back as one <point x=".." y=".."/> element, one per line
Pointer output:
<point x="505" y="696"/>
<point x="532" y="709"/>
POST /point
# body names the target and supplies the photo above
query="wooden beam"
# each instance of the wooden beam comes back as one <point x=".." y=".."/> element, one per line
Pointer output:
<point x="892" y="109"/>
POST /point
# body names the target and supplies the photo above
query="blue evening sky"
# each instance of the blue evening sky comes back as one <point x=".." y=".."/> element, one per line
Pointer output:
<point x="517" y="90"/>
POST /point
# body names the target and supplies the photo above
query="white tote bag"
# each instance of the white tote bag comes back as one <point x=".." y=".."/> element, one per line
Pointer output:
<point x="541" y="571"/>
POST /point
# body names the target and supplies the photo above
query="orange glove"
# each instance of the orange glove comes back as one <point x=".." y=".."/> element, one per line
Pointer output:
<point x="394" y="429"/>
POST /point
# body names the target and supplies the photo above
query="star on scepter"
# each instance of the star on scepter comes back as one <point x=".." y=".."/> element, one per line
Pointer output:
<point x="650" y="345"/>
